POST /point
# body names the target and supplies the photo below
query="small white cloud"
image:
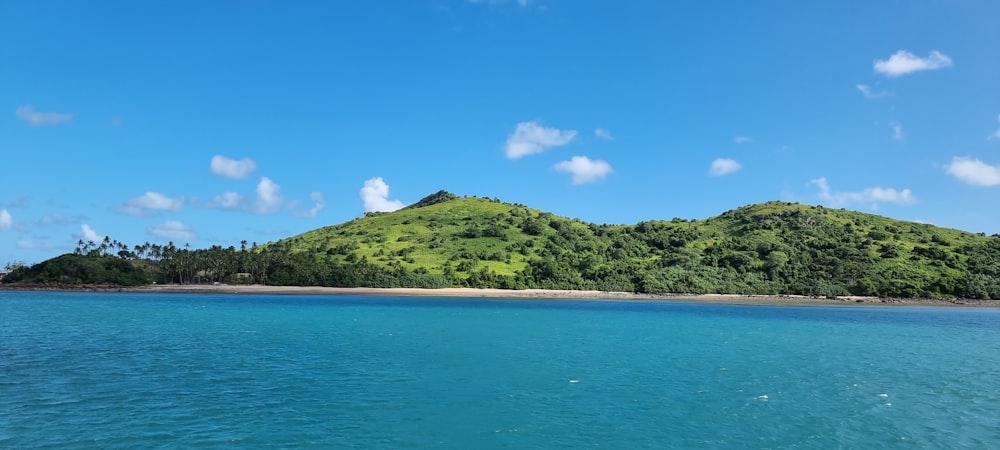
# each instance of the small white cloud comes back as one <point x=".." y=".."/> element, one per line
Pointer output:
<point x="30" y="244"/>
<point x="89" y="234"/>
<point x="742" y="139"/>
<point x="35" y="118"/>
<point x="868" y="92"/>
<point x="871" y="196"/>
<point x="267" y="200"/>
<point x="268" y="196"/>
<point x="231" y="168"/>
<point x="227" y="200"/>
<point x="320" y="203"/>
<point x="974" y="172"/>
<point x="584" y="170"/>
<point x="147" y="204"/>
<point x="603" y="133"/>
<point x="530" y="138"/>
<point x="172" y="230"/>
<point x="904" y="62"/>
<point x="375" y="196"/>
<point x="6" y="220"/>
<point x="897" y="131"/>
<point x="723" y="166"/>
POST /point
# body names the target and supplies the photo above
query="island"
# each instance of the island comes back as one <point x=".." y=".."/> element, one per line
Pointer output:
<point x="767" y="250"/>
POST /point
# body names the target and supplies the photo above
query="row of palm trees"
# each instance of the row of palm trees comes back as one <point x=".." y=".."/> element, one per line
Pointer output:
<point x="169" y="263"/>
<point x="113" y="247"/>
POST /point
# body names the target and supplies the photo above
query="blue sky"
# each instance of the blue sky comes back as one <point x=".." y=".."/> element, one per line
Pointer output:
<point x="214" y="122"/>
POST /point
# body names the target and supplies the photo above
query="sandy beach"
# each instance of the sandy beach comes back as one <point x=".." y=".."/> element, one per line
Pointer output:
<point x="557" y="294"/>
<point x="550" y="294"/>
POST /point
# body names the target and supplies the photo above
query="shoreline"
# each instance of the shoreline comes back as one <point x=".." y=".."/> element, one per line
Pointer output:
<point x="548" y="294"/>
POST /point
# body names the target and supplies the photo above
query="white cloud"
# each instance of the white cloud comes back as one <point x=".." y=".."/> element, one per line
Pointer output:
<point x="604" y="133"/>
<point x="375" y="196"/>
<point x="742" y="139"/>
<point x="146" y="204"/>
<point x="320" y="203"/>
<point x="89" y="234"/>
<point x="904" y="62"/>
<point x="28" y="244"/>
<point x="6" y="220"/>
<point x="868" y="92"/>
<point x="723" y="166"/>
<point x="871" y="196"/>
<point x="268" y="200"/>
<point x="35" y="118"/>
<point x="530" y="138"/>
<point x="584" y="169"/>
<point x="231" y="168"/>
<point x="974" y="172"/>
<point x="173" y="230"/>
<point x="227" y="200"/>
<point x="897" y="131"/>
<point x="268" y="196"/>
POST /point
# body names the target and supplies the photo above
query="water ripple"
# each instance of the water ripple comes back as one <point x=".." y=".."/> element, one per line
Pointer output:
<point x="91" y="370"/>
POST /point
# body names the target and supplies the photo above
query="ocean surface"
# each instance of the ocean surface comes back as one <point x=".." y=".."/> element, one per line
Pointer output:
<point x="92" y="370"/>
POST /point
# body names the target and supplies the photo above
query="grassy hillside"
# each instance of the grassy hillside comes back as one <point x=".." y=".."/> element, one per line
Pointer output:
<point x="473" y="233"/>
<point x="768" y="248"/>
<point x="774" y="247"/>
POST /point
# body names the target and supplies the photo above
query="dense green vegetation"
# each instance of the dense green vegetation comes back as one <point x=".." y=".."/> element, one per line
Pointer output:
<point x="443" y="240"/>
<point x="80" y="269"/>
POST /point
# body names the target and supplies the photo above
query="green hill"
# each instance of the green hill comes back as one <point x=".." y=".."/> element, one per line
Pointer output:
<point x="71" y="269"/>
<point x="768" y="248"/>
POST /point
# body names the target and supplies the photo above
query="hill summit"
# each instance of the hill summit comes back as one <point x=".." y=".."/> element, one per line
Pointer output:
<point x="433" y="199"/>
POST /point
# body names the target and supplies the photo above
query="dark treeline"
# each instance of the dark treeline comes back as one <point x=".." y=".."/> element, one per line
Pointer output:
<point x="114" y="262"/>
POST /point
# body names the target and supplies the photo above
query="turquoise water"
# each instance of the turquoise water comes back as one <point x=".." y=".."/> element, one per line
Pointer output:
<point x="239" y="371"/>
